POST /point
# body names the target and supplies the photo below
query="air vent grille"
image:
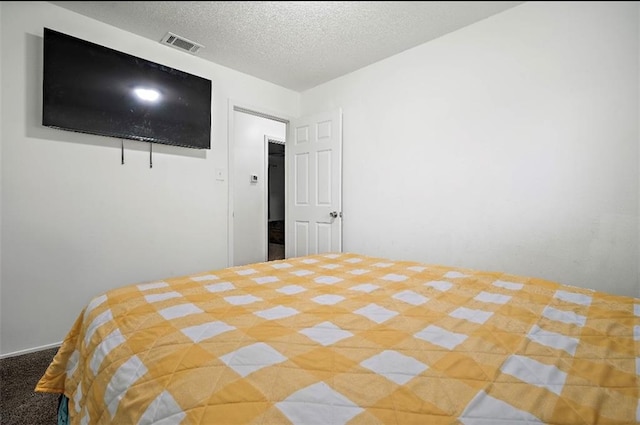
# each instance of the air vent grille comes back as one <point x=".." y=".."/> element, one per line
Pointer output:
<point x="180" y="43"/>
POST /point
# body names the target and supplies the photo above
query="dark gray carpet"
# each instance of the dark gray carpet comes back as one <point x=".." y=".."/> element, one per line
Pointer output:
<point x="19" y="404"/>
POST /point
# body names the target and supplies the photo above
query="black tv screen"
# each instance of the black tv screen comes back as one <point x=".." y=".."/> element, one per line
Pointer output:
<point x="92" y="89"/>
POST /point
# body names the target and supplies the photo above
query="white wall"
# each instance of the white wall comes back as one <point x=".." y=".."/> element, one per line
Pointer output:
<point x="250" y="199"/>
<point x="509" y="145"/>
<point x="75" y="222"/>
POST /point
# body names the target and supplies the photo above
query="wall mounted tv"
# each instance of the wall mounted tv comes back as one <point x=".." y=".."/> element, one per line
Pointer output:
<point x="90" y="88"/>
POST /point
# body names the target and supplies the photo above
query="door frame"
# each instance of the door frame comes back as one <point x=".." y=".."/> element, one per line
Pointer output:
<point x="239" y="106"/>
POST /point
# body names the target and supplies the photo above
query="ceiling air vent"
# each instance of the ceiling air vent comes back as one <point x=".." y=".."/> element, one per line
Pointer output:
<point x="181" y="43"/>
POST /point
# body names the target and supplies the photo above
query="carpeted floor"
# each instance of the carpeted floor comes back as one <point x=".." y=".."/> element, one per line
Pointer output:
<point x="19" y="404"/>
<point x="276" y="251"/>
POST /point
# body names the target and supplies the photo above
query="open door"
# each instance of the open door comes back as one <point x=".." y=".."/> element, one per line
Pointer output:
<point x="313" y="223"/>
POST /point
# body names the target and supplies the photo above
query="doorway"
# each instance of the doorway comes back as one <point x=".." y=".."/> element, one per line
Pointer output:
<point x="249" y="213"/>
<point x="276" y="188"/>
<point x="313" y="183"/>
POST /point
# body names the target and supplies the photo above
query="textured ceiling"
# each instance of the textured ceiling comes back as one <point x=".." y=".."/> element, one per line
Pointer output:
<point x="295" y="44"/>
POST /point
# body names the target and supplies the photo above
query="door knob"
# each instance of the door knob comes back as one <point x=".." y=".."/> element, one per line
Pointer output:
<point x="333" y="214"/>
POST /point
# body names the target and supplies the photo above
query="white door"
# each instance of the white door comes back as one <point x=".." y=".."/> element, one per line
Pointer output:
<point x="313" y="222"/>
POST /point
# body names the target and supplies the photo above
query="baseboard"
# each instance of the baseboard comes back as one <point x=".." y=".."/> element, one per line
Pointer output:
<point x="30" y="350"/>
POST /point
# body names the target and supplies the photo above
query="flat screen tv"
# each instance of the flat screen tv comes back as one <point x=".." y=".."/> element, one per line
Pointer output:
<point x="93" y="89"/>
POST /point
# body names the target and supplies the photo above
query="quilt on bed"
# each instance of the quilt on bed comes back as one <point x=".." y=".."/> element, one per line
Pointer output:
<point x="350" y="339"/>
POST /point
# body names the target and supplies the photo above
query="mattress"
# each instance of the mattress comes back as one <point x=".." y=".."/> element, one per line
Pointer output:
<point x="350" y="339"/>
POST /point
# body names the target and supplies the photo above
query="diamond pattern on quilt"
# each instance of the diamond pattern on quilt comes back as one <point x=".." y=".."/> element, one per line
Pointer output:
<point x="265" y="279"/>
<point x="331" y="266"/>
<point x="440" y="285"/>
<point x="152" y="285"/>
<point x="281" y="266"/>
<point x="376" y="313"/>
<point x="251" y="358"/>
<point x="442" y="337"/>
<point x="326" y="333"/>
<point x="163" y="410"/>
<point x="365" y="287"/>
<point x="454" y="274"/>
<point x="411" y="297"/>
<point x="542" y="356"/>
<point x="573" y="297"/>
<point x="279" y="312"/>
<point x="395" y="277"/>
<point x="110" y="342"/>
<point x="93" y="304"/>
<point x="180" y="310"/>
<point x="489" y="297"/>
<point x="417" y="268"/>
<point x="206" y="330"/>
<point x="475" y="316"/>
<point x="72" y="364"/>
<point x="154" y="298"/>
<point x="242" y="299"/>
<point x="122" y="379"/>
<point x="205" y="278"/>
<point x="395" y="366"/>
<point x="245" y="272"/>
<point x="535" y="373"/>
<point x="99" y="320"/>
<point x="327" y="280"/>
<point x="553" y="339"/>
<point x="77" y="397"/>
<point x="484" y="409"/>
<point x="291" y="289"/>
<point x="85" y="418"/>
<point x="568" y="317"/>
<point x="318" y="404"/>
<point x="508" y="285"/>
<point x="383" y="265"/>
<point x="309" y="261"/>
<point x="220" y="287"/>
<point x="327" y="299"/>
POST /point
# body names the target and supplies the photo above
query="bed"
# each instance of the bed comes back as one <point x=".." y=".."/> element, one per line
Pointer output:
<point x="343" y="338"/>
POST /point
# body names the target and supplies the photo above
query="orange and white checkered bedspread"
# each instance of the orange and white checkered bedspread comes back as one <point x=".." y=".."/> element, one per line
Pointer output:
<point x="350" y="339"/>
